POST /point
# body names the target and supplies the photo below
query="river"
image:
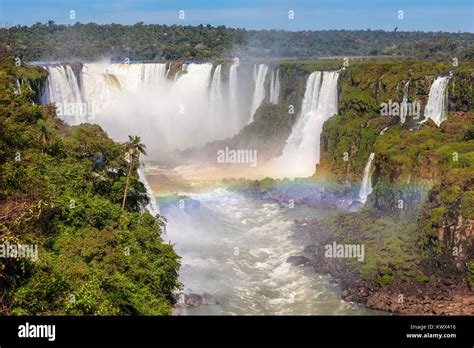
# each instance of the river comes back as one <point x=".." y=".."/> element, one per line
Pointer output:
<point x="235" y="248"/>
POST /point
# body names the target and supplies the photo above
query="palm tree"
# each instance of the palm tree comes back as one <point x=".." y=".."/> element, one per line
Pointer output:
<point x="45" y="134"/>
<point x="134" y="148"/>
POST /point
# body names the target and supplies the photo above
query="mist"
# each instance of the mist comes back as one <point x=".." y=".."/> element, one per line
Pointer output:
<point x="201" y="103"/>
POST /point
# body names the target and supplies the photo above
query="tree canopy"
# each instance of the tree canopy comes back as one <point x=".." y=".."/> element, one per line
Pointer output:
<point x="92" y="41"/>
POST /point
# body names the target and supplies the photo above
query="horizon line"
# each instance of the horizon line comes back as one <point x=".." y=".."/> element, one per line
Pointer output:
<point x="4" y="25"/>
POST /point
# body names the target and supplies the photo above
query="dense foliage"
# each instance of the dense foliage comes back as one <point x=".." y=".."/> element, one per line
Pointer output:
<point x="155" y="42"/>
<point x="61" y="188"/>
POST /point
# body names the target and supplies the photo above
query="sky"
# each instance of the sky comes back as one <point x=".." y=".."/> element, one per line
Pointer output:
<point x="419" y="15"/>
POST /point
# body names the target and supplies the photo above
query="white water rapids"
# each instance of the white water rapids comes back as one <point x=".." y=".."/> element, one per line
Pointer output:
<point x="235" y="248"/>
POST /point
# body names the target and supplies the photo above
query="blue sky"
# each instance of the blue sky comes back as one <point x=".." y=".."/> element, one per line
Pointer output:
<point x="423" y="15"/>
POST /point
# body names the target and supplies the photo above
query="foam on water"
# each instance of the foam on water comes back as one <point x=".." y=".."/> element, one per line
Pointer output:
<point x="236" y="248"/>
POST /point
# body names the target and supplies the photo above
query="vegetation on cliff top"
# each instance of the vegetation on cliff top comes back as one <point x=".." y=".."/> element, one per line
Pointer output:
<point x="364" y="86"/>
<point x="141" y="41"/>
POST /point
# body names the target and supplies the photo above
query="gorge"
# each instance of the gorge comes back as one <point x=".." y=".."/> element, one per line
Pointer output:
<point x="234" y="246"/>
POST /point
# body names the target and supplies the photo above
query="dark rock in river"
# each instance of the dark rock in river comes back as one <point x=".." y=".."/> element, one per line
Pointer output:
<point x="312" y="249"/>
<point x="195" y="300"/>
<point x="298" y="260"/>
<point x="207" y="299"/>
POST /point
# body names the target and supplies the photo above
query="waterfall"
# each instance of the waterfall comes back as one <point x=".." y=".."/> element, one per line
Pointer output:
<point x="259" y="91"/>
<point x="216" y="100"/>
<point x="437" y="101"/>
<point x="194" y="108"/>
<point x="139" y="98"/>
<point x="188" y="104"/>
<point x="404" y="105"/>
<point x="178" y="73"/>
<point x="63" y="90"/>
<point x="275" y="86"/>
<point x="366" y="187"/>
<point x="152" y="207"/>
<point x="301" y="153"/>
<point x="100" y="87"/>
<point x="100" y="84"/>
<point x="17" y="88"/>
<point x="235" y="124"/>
<point x="135" y="77"/>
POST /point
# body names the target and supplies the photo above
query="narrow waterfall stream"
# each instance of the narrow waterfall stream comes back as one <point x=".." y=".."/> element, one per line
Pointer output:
<point x="366" y="187"/>
<point x="235" y="123"/>
<point x="152" y="207"/>
<point x="437" y="101"/>
<point x="259" y="91"/>
<point x="404" y="105"/>
<point x="274" y="86"/>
